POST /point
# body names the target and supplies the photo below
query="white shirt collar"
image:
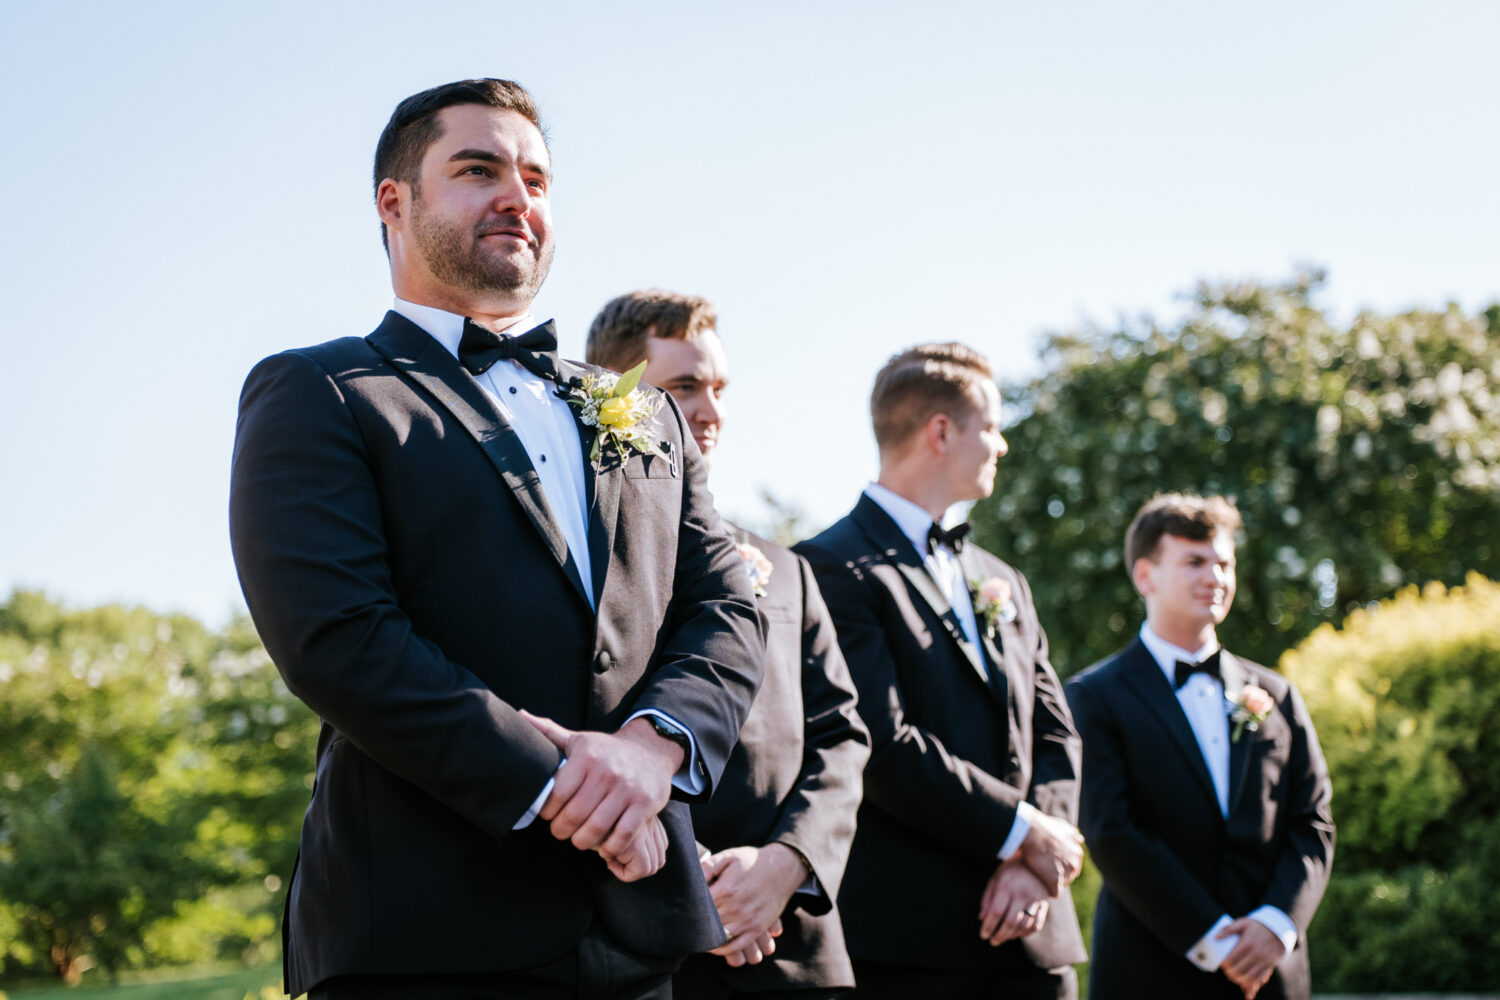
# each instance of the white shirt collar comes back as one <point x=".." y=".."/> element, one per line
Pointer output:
<point x="1166" y="654"/>
<point x="445" y="327"/>
<point x="911" y="518"/>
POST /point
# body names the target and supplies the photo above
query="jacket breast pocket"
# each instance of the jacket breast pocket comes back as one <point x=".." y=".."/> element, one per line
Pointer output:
<point x="648" y="466"/>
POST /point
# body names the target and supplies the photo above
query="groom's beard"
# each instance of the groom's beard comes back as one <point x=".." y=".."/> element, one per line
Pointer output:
<point x="458" y="257"/>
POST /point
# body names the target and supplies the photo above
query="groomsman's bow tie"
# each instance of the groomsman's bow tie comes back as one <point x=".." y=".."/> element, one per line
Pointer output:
<point x="535" y="350"/>
<point x="1209" y="665"/>
<point x="952" y="537"/>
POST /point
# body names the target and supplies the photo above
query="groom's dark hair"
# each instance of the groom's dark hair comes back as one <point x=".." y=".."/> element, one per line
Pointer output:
<point x="617" y="337"/>
<point x="922" y="381"/>
<point x="414" y="126"/>
<point x="1184" y="515"/>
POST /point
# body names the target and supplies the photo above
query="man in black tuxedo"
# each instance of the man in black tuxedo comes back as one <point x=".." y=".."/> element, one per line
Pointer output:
<point x="515" y="610"/>
<point x="1205" y="795"/>
<point x="775" y="836"/>
<point x="965" y="846"/>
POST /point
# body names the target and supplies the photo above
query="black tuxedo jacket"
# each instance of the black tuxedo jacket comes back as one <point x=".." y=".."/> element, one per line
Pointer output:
<point x="951" y="755"/>
<point x="406" y="574"/>
<point x="794" y="779"/>
<point x="1172" y="863"/>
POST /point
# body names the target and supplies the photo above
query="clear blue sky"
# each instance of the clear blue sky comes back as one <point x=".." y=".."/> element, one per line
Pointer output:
<point x="189" y="191"/>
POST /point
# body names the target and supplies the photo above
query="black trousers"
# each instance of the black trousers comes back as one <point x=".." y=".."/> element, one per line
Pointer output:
<point x="1008" y="976"/>
<point x="696" y="980"/>
<point x="599" y="969"/>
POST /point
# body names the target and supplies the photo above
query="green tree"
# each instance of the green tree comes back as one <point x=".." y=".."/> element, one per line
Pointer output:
<point x="1363" y="457"/>
<point x="1407" y="703"/>
<point x="145" y="764"/>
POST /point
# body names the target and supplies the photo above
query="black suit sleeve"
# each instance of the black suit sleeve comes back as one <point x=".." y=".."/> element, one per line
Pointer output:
<point x="713" y="657"/>
<point x="1139" y="869"/>
<point x="1301" y="872"/>
<point x="1056" y="750"/>
<point x="817" y="816"/>
<point x="912" y="777"/>
<point x="306" y="527"/>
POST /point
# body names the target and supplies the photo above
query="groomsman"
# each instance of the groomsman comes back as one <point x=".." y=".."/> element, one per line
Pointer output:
<point x="775" y="836"/>
<point x="958" y="875"/>
<point x="1205" y="794"/>
<point x="527" y="633"/>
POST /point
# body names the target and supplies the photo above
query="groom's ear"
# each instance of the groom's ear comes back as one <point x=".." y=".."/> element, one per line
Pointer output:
<point x="391" y="199"/>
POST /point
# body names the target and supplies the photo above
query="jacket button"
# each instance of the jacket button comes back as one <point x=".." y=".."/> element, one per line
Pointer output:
<point x="602" y="662"/>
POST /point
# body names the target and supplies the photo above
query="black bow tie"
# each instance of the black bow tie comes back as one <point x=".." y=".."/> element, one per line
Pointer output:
<point x="535" y="350"/>
<point x="952" y="537"/>
<point x="1209" y="665"/>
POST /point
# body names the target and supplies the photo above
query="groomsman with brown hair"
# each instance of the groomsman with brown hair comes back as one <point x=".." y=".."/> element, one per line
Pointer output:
<point x="775" y="836"/>
<point x="1205" y="794"/>
<point x="957" y="884"/>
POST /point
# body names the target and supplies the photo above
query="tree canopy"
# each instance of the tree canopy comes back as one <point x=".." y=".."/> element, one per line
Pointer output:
<point x="152" y="779"/>
<point x="1363" y="457"/>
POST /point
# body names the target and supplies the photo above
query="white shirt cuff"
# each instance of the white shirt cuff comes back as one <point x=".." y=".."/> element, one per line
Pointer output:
<point x="1277" y="923"/>
<point x="1210" y="951"/>
<point x="1018" y="830"/>
<point x="689" y="777"/>
<point x="541" y="800"/>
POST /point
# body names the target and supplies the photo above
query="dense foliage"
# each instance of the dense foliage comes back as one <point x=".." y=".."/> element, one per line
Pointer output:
<point x="1406" y="699"/>
<point x="1363" y="457"/>
<point x="152" y="781"/>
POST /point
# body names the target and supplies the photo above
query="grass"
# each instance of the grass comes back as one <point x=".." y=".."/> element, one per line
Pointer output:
<point x="179" y="984"/>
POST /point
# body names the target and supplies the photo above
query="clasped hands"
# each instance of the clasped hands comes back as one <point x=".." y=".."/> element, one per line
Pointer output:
<point x="607" y="795"/>
<point x="1250" y="964"/>
<point x="1014" y="903"/>
<point x="751" y="887"/>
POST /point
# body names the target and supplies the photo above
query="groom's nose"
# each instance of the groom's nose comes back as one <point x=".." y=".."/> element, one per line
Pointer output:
<point x="512" y="197"/>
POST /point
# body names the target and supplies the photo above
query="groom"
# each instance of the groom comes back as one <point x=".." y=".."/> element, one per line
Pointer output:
<point x="523" y="632"/>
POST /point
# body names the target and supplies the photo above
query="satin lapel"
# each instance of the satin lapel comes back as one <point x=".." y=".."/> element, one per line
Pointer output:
<point x="423" y="360"/>
<point x="1145" y="677"/>
<point x="601" y="477"/>
<point x="887" y="538"/>
<point x="1000" y="683"/>
<point x="1235" y="678"/>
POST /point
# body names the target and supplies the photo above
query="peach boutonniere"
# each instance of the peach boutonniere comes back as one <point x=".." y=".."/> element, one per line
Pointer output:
<point x="757" y="565"/>
<point x="992" y="603"/>
<point x="1252" y="706"/>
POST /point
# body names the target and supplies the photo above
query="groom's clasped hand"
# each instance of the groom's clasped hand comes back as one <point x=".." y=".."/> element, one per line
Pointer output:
<point x="608" y="793"/>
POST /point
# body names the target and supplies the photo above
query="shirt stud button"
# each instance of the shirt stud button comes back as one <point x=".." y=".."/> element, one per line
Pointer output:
<point x="512" y="390"/>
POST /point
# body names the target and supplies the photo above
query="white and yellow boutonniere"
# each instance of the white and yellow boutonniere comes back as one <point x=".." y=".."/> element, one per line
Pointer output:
<point x="992" y="603"/>
<point x="757" y="565"/>
<point x="618" y="410"/>
<point x="1252" y="706"/>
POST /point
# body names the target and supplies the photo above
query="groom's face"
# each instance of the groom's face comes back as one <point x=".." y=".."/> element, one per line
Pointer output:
<point x="481" y="218"/>
<point x="696" y="373"/>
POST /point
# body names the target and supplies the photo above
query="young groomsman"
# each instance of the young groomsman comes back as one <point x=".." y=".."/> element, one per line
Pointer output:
<point x="775" y="836"/>
<point x="1205" y="795"/>
<point x="965" y="845"/>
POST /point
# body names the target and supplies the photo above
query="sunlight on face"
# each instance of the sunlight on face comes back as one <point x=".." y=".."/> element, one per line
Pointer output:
<point x="696" y="373"/>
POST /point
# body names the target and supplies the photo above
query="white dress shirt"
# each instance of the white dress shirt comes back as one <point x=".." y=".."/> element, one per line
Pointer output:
<point x="1207" y="709"/>
<point x="548" y="431"/>
<point x="942" y="564"/>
